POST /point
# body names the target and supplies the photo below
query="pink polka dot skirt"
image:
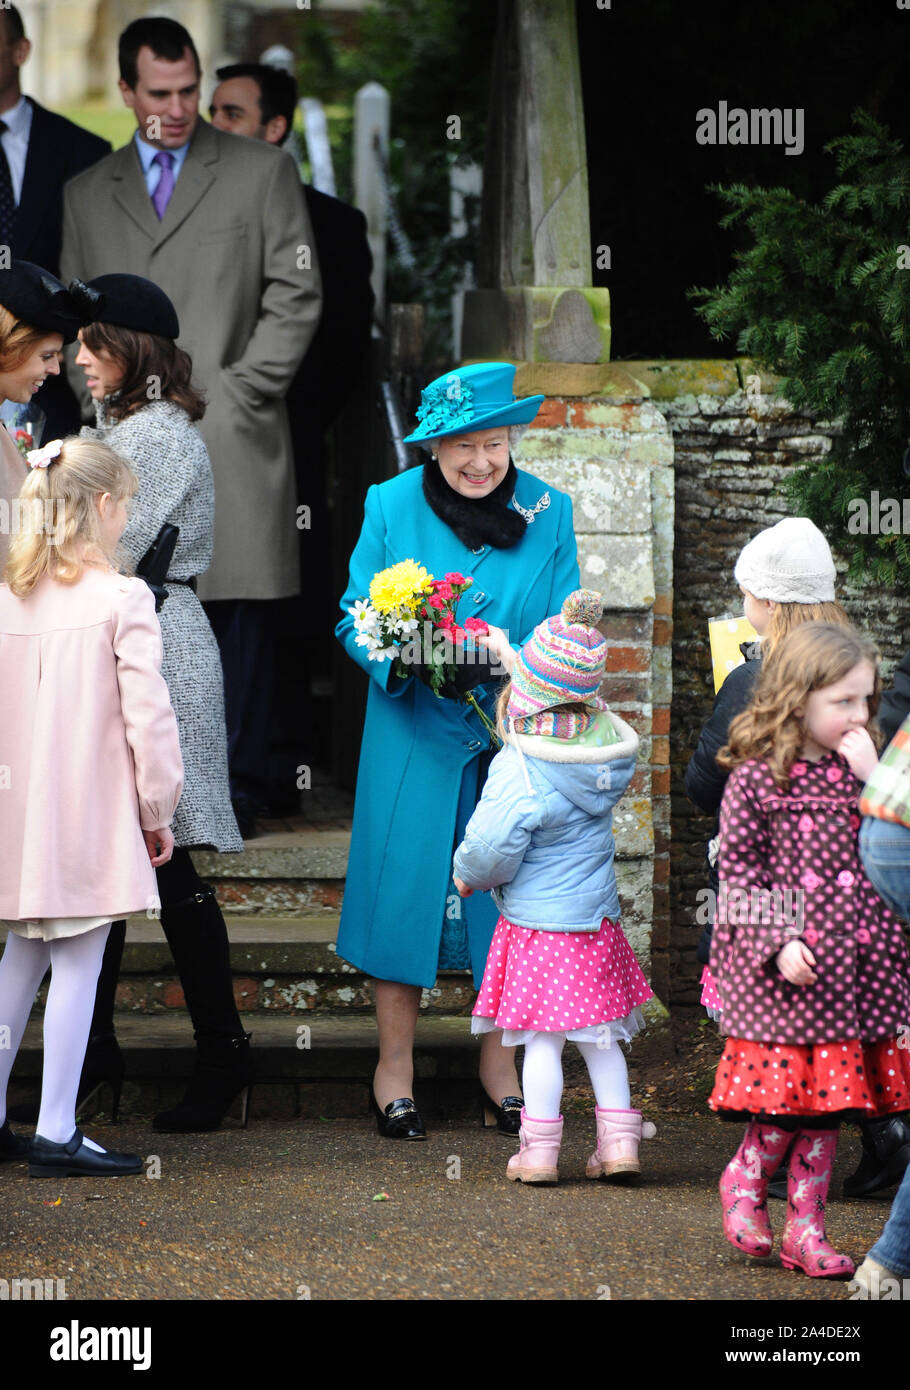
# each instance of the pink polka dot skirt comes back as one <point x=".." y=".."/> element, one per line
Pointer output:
<point x="554" y="982"/>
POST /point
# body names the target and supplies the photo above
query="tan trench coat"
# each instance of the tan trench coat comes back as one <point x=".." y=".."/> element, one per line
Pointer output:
<point x="227" y="253"/>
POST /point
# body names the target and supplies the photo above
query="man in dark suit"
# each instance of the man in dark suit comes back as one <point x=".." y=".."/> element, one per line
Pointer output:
<point x="258" y="101"/>
<point x="39" y="151"/>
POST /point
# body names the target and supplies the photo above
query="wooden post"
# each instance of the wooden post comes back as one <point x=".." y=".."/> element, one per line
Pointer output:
<point x="371" y="148"/>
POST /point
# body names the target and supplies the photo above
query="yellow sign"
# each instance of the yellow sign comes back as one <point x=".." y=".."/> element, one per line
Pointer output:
<point x="725" y="635"/>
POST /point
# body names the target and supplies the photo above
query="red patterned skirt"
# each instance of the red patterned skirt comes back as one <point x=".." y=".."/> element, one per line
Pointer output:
<point x="848" y="1079"/>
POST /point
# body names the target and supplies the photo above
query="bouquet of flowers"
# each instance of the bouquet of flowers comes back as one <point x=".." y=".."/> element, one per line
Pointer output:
<point x="409" y="618"/>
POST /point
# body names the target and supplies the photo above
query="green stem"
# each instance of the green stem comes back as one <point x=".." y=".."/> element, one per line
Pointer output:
<point x="495" y="740"/>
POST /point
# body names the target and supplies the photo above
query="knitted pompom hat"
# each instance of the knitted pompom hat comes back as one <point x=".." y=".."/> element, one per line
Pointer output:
<point x="789" y="563"/>
<point x="563" y="661"/>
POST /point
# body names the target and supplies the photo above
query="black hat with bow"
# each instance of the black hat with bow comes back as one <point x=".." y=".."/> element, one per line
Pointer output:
<point x="127" y="301"/>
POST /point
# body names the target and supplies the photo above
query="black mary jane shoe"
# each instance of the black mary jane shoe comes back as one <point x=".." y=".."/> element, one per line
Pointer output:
<point x="400" y="1119"/>
<point x="75" y="1159"/>
<point x="505" y="1117"/>
<point x="12" y="1146"/>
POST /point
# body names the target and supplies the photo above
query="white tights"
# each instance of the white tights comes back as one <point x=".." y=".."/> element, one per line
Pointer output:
<point x="541" y="1077"/>
<point x="75" y="963"/>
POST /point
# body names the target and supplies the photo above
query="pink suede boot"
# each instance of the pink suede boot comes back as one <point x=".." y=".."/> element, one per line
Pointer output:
<point x="804" y="1245"/>
<point x="619" y="1133"/>
<point x="744" y="1187"/>
<point x="538" y="1156"/>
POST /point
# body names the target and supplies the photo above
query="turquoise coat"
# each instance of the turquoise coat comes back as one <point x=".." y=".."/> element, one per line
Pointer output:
<point x="422" y="759"/>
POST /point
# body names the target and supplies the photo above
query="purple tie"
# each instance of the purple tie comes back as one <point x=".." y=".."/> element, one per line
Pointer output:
<point x="162" y="194"/>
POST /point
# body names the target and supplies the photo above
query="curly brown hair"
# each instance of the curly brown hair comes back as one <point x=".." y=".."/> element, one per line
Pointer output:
<point x="812" y="656"/>
<point x="143" y="357"/>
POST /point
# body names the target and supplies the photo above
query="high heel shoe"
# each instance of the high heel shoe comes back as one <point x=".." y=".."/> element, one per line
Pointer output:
<point x="224" y="1070"/>
<point x="505" y="1117"/>
<point x="103" y="1067"/>
<point x="400" y="1119"/>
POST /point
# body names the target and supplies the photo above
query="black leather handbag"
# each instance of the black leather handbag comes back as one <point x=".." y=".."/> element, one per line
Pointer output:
<point x="153" y="565"/>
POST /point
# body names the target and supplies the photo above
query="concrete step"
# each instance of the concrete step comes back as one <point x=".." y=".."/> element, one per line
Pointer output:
<point x="281" y="966"/>
<point x="322" y="1068"/>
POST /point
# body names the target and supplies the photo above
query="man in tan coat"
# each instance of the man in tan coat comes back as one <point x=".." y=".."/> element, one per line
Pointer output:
<point x="221" y="225"/>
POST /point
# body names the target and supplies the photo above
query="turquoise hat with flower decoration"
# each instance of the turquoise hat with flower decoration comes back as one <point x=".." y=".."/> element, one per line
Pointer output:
<point x="471" y="398"/>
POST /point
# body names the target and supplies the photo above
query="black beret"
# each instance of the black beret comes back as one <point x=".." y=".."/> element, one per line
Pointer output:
<point x="128" y="301"/>
<point x="38" y="298"/>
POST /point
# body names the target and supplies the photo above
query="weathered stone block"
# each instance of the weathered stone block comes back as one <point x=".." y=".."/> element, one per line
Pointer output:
<point x="620" y="567"/>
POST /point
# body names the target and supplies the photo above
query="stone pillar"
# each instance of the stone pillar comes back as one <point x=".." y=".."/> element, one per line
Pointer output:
<point x="600" y="438"/>
<point x="536" y="301"/>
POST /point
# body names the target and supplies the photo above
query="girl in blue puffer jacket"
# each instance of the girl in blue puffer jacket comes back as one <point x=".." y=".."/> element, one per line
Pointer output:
<point x="541" y="838"/>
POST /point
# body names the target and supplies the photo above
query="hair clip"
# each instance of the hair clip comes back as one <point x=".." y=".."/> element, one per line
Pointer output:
<point x="43" y="457"/>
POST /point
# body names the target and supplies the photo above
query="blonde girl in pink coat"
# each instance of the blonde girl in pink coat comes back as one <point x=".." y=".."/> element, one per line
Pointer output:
<point x="90" y="775"/>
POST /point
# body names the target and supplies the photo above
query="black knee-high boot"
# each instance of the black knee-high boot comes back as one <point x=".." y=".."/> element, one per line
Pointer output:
<point x="197" y="935"/>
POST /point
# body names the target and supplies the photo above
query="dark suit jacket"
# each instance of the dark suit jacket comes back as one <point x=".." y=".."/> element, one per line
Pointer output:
<point x="57" y="150"/>
<point x="333" y="359"/>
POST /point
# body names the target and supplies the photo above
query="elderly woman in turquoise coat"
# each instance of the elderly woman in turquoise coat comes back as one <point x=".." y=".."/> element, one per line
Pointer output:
<point x="424" y="759"/>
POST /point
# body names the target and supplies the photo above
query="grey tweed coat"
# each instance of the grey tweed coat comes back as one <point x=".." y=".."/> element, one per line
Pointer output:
<point x="166" y="452"/>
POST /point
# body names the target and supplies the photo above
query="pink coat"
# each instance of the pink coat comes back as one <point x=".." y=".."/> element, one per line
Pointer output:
<point x="89" y="752"/>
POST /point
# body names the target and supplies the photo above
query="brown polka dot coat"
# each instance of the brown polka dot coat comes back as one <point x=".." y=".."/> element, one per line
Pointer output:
<point x="789" y="867"/>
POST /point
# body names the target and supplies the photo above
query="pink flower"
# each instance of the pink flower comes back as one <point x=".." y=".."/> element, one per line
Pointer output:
<point x="443" y="589"/>
<point x="810" y="879"/>
<point x="863" y="936"/>
<point x="458" y="633"/>
<point x="798" y="770"/>
<point x="455" y="578"/>
<point x="476" y="625"/>
<point x="833" y="774"/>
<point x="806" y="824"/>
<point x="845" y="878"/>
<point x="447" y="621"/>
<point x="434" y="601"/>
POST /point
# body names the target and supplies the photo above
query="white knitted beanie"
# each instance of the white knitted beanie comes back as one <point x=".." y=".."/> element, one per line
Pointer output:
<point x="789" y="563"/>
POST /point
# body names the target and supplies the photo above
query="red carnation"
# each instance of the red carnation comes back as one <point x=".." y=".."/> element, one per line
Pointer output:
<point x="477" y="626"/>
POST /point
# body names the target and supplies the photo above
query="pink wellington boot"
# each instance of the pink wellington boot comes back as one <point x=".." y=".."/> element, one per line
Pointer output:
<point x="619" y="1133"/>
<point x="804" y="1245"/>
<point x="538" y="1157"/>
<point x="744" y="1187"/>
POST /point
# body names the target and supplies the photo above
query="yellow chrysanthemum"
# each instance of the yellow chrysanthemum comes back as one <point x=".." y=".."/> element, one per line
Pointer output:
<point x="399" y="585"/>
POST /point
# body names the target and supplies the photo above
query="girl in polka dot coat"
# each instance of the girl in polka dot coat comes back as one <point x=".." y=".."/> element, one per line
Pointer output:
<point x="811" y="966"/>
<point x="541" y="837"/>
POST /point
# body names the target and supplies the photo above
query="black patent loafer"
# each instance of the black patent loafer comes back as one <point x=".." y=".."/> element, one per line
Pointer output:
<point x="75" y="1159"/>
<point x="506" y="1117"/>
<point x="400" y="1119"/>
<point x="12" y="1147"/>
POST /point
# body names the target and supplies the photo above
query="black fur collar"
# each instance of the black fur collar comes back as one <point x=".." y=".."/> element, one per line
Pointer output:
<point x="476" y="521"/>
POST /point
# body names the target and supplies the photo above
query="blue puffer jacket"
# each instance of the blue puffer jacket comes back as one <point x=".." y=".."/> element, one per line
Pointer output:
<point x="541" y="836"/>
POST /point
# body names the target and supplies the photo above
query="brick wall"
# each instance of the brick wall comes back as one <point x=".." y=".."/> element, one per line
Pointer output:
<point x="732" y="453"/>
